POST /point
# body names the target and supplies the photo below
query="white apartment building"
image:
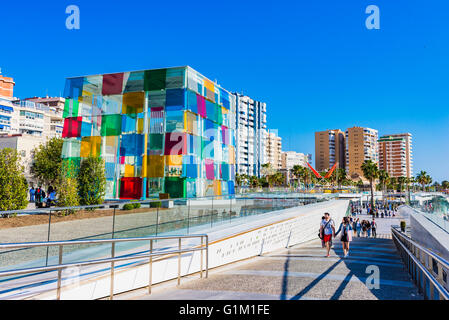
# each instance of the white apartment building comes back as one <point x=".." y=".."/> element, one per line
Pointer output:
<point x="24" y="125"/>
<point x="27" y="117"/>
<point x="274" y="149"/>
<point x="292" y="158"/>
<point x="251" y="135"/>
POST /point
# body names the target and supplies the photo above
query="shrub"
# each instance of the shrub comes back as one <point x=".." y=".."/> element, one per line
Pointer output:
<point x="157" y="204"/>
<point x="128" y="206"/>
<point x="92" y="181"/>
<point x="13" y="186"/>
<point x="136" y="205"/>
<point x="403" y="226"/>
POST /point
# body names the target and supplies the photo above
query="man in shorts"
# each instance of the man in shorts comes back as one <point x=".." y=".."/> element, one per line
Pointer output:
<point x="327" y="231"/>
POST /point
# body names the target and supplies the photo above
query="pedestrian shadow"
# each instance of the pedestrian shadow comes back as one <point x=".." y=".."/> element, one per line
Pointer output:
<point x="315" y="282"/>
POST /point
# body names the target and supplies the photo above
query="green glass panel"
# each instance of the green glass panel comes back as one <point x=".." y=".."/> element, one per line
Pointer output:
<point x="155" y="79"/>
<point x="71" y="107"/>
<point x="156" y="141"/>
<point x="111" y="125"/>
<point x="175" y="187"/>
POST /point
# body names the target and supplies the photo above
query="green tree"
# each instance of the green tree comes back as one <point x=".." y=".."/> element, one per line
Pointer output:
<point x="423" y="179"/>
<point x="370" y="172"/>
<point x="445" y="184"/>
<point x="401" y="182"/>
<point x="47" y="161"/>
<point x="13" y="185"/>
<point x="67" y="186"/>
<point x="91" y="181"/>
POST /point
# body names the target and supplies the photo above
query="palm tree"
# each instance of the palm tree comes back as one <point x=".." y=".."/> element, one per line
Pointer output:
<point x="370" y="172"/>
<point x="384" y="178"/>
<point x="298" y="172"/>
<point x="392" y="183"/>
<point x="401" y="182"/>
<point x="445" y="184"/>
<point x="421" y="178"/>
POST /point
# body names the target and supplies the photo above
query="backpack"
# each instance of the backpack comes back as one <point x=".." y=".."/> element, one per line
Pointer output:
<point x="319" y="232"/>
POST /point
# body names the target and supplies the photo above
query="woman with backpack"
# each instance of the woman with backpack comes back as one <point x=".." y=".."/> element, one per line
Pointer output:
<point x="346" y="236"/>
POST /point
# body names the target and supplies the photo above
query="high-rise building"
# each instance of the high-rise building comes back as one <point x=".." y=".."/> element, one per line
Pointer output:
<point x="395" y="154"/>
<point x="6" y="87"/>
<point x="274" y="149"/>
<point x="361" y="144"/>
<point x="159" y="131"/>
<point x="251" y="135"/>
<point x="292" y="158"/>
<point x="329" y="149"/>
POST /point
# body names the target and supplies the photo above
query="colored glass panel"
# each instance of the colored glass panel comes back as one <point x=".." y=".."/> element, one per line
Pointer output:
<point x="130" y="188"/>
<point x="134" y="81"/>
<point x="155" y="166"/>
<point x="73" y="87"/>
<point x="175" y="187"/>
<point x="111" y="125"/>
<point x="133" y="102"/>
<point x="72" y="127"/>
<point x="70" y="108"/>
<point x="155" y="79"/>
<point x="112" y="84"/>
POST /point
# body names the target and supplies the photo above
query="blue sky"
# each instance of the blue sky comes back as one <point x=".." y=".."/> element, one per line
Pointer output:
<point x="313" y="62"/>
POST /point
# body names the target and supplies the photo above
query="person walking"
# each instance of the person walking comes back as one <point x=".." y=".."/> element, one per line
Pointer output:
<point x="374" y="228"/>
<point x="358" y="227"/>
<point x="32" y="191"/>
<point x="327" y="231"/>
<point x="368" y="229"/>
<point x="346" y="237"/>
<point x="38" y="198"/>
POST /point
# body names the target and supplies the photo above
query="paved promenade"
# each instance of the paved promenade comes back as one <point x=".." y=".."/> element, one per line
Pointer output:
<point x="303" y="272"/>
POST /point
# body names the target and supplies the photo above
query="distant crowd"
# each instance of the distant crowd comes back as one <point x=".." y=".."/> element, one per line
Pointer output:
<point x="41" y="198"/>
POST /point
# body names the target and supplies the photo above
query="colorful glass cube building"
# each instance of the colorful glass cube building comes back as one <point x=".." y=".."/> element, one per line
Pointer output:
<point x="158" y="131"/>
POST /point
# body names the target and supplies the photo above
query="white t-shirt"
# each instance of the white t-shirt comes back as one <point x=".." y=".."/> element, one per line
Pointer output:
<point x="328" y="228"/>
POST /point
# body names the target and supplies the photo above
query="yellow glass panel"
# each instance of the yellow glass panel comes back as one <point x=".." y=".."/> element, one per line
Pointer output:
<point x="209" y="85"/>
<point x="155" y="166"/>
<point x="85" y="147"/>
<point x="133" y="102"/>
<point x="129" y="171"/>
<point x="217" y="187"/>
<point x="191" y="123"/>
<point x="174" y="160"/>
<point x="139" y="125"/>
<point x="231" y="155"/>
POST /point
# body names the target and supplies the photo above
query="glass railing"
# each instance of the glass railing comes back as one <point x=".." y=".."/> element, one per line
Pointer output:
<point x="436" y="209"/>
<point x="131" y="219"/>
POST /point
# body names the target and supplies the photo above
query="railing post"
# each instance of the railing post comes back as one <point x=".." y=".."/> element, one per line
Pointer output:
<point x="58" y="291"/>
<point x="113" y="224"/>
<point x="48" y="237"/>
<point x="188" y="215"/>
<point x="212" y="213"/>
<point x="207" y="256"/>
<point x="150" y="281"/>
<point x="201" y="262"/>
<point x="111" y="295"/>
<point x="179" y="262"/>
<point x="157" y="217"/>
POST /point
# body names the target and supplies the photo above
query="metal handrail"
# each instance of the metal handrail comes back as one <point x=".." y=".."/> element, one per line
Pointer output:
<point x="411" y="248"/>
<point x="60" y="266"/>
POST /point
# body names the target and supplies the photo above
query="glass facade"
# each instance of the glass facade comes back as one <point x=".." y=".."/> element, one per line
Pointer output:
<point x="159" y="131"/>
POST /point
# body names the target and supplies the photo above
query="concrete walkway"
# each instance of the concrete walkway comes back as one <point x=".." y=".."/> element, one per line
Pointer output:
<point x="302" y="272"/>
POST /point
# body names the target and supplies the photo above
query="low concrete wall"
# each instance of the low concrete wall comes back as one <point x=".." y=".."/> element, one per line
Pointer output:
<point x="426" y="233"/>
<point x="229" y="244"/>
